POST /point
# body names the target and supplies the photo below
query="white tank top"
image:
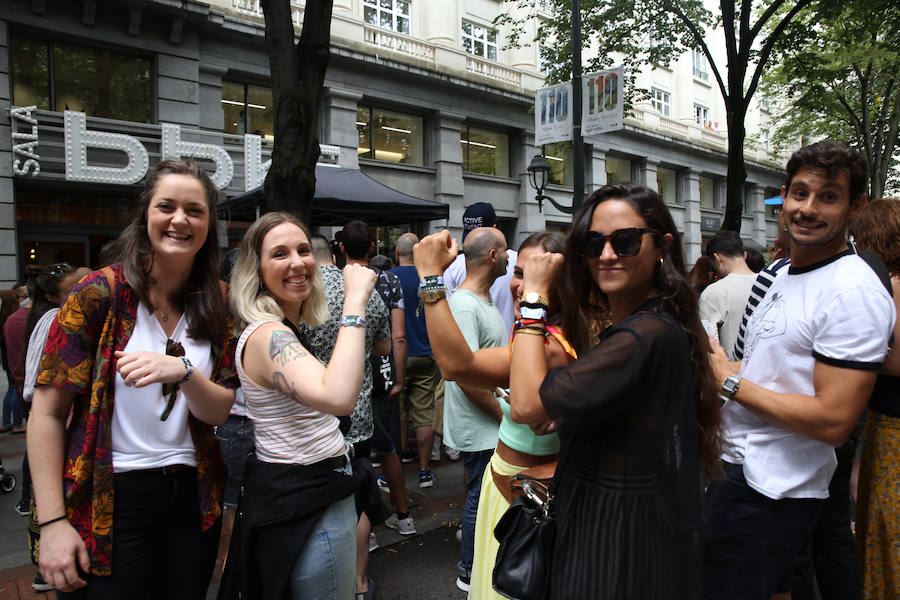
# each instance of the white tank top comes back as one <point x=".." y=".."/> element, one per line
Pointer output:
<point x="286" y="431"/>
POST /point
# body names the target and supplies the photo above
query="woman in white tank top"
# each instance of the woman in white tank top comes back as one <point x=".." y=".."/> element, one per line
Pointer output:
<point x="293" y="400"/>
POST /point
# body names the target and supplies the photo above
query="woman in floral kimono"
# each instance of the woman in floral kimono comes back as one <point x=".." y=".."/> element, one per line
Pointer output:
<point x="139" y="356"/>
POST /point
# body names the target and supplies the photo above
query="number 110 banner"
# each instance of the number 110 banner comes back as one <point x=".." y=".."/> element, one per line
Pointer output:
<point x="602" y="107"/>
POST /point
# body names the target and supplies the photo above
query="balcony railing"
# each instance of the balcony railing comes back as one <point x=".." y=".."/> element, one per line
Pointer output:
<point x="673" y="125"/>
<point x="252" y="7"/>
<point x="545" y="6"/>
<point x="493" y="70"/>
<point x="397" y="42"/>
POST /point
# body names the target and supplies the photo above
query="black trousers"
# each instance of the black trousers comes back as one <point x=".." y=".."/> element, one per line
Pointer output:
<point x="830" y="552"/>
<point x="159" y="550"/>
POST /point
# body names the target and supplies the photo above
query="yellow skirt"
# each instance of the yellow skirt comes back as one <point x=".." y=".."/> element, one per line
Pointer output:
<point x="878" y="508"/>
<point x="491" y="506"/>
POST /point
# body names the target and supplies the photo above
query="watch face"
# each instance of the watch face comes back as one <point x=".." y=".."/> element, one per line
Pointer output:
<point x="531" y="297"/>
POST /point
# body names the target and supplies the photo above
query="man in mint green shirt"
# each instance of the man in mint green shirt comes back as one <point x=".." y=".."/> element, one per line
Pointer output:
<point x="472" y="416"/>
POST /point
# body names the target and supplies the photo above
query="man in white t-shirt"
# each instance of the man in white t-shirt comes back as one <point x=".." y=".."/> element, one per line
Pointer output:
<point x="722" y="303"/>
<point x="813" y="348"/>
<point x="472" y="416"/>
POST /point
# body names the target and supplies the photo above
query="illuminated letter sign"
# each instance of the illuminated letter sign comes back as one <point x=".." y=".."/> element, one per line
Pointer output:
<point x="78" y="139"/>
<point x="174" y="148"/>
<point x="25" y="143"/>
<point x="254" y="169"/>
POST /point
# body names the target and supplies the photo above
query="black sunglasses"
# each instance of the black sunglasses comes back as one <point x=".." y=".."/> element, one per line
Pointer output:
<point x="56" y="271"/>
<point x="170" y="390"/>
<point x="624" y="242"/>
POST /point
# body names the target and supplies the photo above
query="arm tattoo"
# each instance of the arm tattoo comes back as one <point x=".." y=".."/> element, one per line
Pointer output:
<point x="281" y="384"/>
<point x="284" y="347"/>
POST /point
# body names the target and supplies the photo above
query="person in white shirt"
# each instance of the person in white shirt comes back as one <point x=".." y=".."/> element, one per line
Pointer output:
<point x="722" y="303"/>
<point x="812" y="350"/>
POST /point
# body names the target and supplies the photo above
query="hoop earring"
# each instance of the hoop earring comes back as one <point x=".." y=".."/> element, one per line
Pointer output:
<point x="660" y="262"/>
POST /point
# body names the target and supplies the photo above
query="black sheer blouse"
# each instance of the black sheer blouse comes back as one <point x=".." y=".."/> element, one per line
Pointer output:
<point x="628" y="492"/>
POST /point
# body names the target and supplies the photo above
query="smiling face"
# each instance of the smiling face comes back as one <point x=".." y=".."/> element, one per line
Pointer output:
<point x="517" y="282"/>
<point x="626" y="281"/>
<point x="287" y="266"/>
<point x="177" y="217"/>
<point x="816" y="211"/>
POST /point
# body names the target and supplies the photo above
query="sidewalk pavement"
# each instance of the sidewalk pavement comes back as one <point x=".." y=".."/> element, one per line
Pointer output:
<point x="437" y="509"/>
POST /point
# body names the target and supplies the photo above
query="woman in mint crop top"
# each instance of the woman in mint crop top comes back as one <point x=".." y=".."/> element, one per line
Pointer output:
<point x="519" y="447"/>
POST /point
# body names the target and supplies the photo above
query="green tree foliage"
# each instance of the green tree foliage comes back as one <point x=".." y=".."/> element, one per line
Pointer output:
<point x="298" y="79"/>
<point x="839" y="77"/>
<point x="641" y="33"/>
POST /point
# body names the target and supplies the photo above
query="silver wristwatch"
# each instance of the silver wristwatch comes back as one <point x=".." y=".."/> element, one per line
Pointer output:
<point x="730" y="386"/>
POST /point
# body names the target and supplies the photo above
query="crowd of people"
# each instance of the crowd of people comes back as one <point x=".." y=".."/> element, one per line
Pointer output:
<point x="697" y="431"/>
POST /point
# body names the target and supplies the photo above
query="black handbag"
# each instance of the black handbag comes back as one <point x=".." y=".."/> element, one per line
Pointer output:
<point x="526" y="533"/>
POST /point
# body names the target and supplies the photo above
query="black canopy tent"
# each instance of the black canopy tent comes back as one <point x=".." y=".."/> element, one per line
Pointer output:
<point x="342" y="195"/>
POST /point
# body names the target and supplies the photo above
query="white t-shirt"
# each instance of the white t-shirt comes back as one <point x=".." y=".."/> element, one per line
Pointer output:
<point x="723" y="303"/>
<point x="467" y="427"/>
<point x="140" y="440"/>
<point x="837" y="312"/>
<point x="500" y="294"/>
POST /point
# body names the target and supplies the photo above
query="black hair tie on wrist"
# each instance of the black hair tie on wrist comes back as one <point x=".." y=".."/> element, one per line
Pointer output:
<point x="60" y="518"/>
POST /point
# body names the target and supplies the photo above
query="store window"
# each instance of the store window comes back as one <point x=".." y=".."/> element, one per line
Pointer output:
<point x="701" y="115"/>
<point x="387" y="14"/>
<point x="701" y="68"/>
<point x="561" y="160"/>
<point x="667" y="184"/>
<point x="388" y="135"/>
<point x="479" y="40"/>
<point x="248" y="109"/>
<point x="100" y="83"/>
<point x="662" y="101"/>
<point x="485" y="152"/>
<point x="707" y="192"/>
<point x="618" y="170"/>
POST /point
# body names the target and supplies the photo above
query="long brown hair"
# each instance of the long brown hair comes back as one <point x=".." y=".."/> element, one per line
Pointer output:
<point x="876" y="228"/>
<point x="588" y="306"/>
<point x="201" y="297"/>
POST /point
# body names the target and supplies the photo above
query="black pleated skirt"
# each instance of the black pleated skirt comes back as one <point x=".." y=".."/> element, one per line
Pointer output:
<point x="614" y="540"/>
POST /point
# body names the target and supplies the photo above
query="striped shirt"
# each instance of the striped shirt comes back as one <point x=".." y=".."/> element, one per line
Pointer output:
<point x="762" y="284"/>
<point x="286" y="431"/>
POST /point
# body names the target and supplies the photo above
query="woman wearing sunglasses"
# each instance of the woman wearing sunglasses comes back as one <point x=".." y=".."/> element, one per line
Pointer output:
<point x="300" y="478"/>
<point x="519" y="448"/>
<point x="139" y="355"/>
<point x="637" y="414"/>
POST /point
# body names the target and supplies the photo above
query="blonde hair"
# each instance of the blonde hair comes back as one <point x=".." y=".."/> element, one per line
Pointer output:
<point x="250" y="302"/>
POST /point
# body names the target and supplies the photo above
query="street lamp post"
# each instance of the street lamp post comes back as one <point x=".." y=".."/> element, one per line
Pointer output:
<point x="538" y="173"/>
<point x="577" y="140"/>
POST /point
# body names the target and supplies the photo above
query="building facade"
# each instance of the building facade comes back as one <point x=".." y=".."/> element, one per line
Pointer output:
<point x="421" y="95"/>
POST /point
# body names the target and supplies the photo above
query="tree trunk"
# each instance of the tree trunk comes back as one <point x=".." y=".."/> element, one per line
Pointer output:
<point x="298" y="78"/>
<point x="737" y="172"/>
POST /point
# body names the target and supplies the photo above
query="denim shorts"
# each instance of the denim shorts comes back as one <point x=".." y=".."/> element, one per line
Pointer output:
<point x="236" y="441"/>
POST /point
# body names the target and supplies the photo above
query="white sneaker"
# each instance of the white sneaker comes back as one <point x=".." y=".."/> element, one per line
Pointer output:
<point x="452" y="453"/>
<point x="459" y="535"/>
<point x="403" y="526"/>
<point x="373" y="542"/>
<point x="463" y="583"/>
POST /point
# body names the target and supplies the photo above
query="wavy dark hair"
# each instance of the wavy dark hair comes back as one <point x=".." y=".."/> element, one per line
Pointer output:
<point x="43" y="290"/>
<point x="587" y="306"/>
<point x="201" y="297"/>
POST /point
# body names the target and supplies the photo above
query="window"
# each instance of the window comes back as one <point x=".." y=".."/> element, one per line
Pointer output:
<point x="707" y="192"/>
<point x="485" y="152"/>
<point x="101" y="83"/>
<point x="701" y="70"/>
<point x="661" y="101"/>
<point x="560" y="157"/>
<point x="701" y="115"/>
<point x="248" y="109"/>
<point x="387" y="14"/>
<point x="764" y="104"/>
<point x="479" y="40"/>
<point x="618" y="170"/>
<point x="667" y="185"/>
<point x="390" y="136"/>
<point x="764" y="139"/>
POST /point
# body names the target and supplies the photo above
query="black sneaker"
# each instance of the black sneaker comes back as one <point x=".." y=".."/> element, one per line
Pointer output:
<point x="408" y="456"/>
<point x="463" y="583"/>
<point x="39" y="584"/>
